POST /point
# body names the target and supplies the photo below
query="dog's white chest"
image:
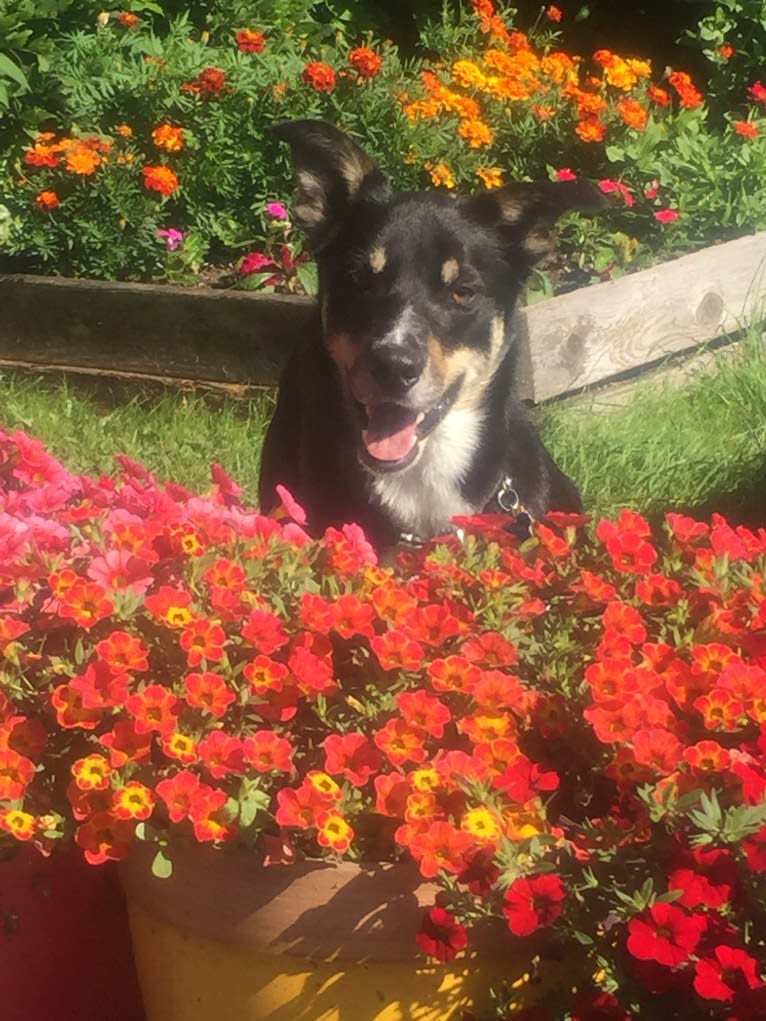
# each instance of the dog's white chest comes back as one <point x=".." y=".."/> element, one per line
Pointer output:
<point x="423" y="497"/>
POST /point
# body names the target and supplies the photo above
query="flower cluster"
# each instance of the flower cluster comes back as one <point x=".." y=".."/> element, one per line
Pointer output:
<point x="567" y="733"/>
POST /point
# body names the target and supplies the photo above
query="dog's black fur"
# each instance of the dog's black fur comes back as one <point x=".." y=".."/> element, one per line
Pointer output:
<point x="397" y="409"/>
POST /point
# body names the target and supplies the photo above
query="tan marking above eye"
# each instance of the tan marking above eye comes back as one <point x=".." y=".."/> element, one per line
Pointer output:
<point x="450" y="271"/>
<point x="377" y="259"/>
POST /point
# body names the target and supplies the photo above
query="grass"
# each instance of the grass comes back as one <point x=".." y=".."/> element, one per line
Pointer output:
<point x="699" y="447"/>
<point x="688" y="448"/>
<point x="176" y="435"/>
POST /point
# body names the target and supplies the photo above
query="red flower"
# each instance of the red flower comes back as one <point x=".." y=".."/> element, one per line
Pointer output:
<point x="366" y="61"/>
<point x="320" y="77"/>
<point x="203" y="640"/>
<point x="178" y="792"/>
<point x="352" y="756"/>
<point x="250" y="41"/>
<point x="208" y="691"/>
<point x="533" y="903"/>
<point x="441" y="936"/>
<point x="122" y="651"/>
<point x="420" y="709"/>
<point x="757" y="92"/>
<point x="395" y="651"/>
<point x="103" y="838"/>
<point x="154" y="708"/>
<point x="267" y="752"/>
<point x="440" y="846"/>
<point x="745" y="128"/>
<point x="728" y="972"/>
<point x="222" y="754"/>
<point x="160" y="178"/>
<point x="666" y="934"/>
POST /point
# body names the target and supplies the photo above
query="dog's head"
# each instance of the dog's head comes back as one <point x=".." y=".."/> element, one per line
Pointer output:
<point x="416" y="289"/>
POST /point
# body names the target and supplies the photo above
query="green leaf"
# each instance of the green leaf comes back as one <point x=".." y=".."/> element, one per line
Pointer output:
<point x="162" y="866"/>
<point x="12" y="70"/>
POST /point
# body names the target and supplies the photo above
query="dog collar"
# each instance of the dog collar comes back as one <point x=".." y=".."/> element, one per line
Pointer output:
<point x="508" y="501"/>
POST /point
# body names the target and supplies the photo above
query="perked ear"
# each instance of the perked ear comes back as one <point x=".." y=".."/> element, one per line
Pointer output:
<point x="332" y="174"/>
<point x="525" y="212"/>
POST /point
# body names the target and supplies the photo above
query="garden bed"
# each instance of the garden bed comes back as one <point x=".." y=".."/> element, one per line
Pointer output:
<point x="237" y="341"/>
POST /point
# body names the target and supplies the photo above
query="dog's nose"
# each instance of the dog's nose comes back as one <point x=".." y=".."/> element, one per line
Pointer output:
<point x="397" y="367"/>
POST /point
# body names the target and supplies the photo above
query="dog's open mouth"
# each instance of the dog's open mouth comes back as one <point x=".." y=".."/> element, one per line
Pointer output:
<point x="392" y="432"/>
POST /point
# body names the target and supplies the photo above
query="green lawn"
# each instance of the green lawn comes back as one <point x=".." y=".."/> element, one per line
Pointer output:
<point x="689" y="447"/>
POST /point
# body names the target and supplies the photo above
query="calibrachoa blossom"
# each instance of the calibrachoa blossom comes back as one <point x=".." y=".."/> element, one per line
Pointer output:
<point x="563" y="734"/>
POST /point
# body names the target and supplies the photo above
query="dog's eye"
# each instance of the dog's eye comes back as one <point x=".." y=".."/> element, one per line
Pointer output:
<point x="462" y="296"/>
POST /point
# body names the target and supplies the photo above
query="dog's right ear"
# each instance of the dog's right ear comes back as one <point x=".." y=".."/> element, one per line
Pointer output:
<point x="332" y="174"/>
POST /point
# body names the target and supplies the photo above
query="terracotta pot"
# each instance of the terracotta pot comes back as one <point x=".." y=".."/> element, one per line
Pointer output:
<point x="226" y="938"/>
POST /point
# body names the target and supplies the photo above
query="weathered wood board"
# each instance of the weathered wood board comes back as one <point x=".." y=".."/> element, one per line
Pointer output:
<point x="234" y="340"/>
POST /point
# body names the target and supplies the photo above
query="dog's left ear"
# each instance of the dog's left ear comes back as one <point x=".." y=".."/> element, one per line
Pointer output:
<point x="332" y="173"/>
<point x="525" y="212"/>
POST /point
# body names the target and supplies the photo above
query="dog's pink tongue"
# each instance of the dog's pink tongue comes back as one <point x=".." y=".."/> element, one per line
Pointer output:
<point x="391" y="432"/>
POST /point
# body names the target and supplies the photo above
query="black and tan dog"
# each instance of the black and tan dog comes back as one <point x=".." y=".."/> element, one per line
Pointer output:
<point x="397" y="409"/>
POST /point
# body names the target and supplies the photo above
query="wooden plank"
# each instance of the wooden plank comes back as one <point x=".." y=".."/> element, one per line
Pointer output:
<point x="154" y="330"/>
<point x="598" y="332"/>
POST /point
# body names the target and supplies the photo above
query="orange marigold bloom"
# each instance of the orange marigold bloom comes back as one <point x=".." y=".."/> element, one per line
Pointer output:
<point x="553" y="13"/>
<point x="366" y="61"/>
<point x="558" y="66"/>
<point x="128" y="20"/>
<point x="620" y="74"/>
<point x="658" y="96"/>
<point x="41" y="155"/>
<point x="725" y="51"/>
<point x="591" y="130"/>
<point x="476" y="133"/>
<point x="468" y="75"/>
<point x="46" y="201"/>
<point x="543" y="113"/>
<point x="745" y="128"/>
<point x="168" y="137"/>
<point x="319" y="76"/>
<point x="633" y="113"/>
<point x="161" y="179"/>
<point x="441" y="175"/>
<point x="490" y="177"/>
<point x="249" y="41"/>
<point x="81" y="159"/>
<point x="124" y="129"/>
<point x="689" y="96"/>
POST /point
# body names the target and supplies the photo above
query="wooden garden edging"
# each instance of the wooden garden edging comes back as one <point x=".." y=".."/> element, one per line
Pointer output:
<point x="235" y="340"/>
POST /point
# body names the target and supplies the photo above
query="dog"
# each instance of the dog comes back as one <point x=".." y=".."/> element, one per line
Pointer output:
<point x="397" y="408"/>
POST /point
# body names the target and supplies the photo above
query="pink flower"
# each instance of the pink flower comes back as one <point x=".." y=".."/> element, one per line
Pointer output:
<point x="276" y="211"/>
<point x="255" y="262"/>
<point x="652" y="190"/>
<point x="607" y="187"/>
<point x="666" y="215"/>
<point x="565" y="174"/>
<point x="173" y="238"/>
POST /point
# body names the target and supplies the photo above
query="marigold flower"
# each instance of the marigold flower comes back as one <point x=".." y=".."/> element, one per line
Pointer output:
<point x="688" y="95"/>
<point x="553" y="13"/>
<point x="658" y="96"/>
<point x="128" y="20"/>
<point x="633" y="113"/>
<point x="46" y="201"/>
<point x="124" y="130"/>
<point x="476" y="133"/>
<point x="366" y="61"/>
<point x="757" y="92"/>
<point x="250" y="41"/>
<point x="81" y="159"/>
<point x="591" y="129"/>
<point x="441" y="175"/>
<point x="321" y="77"/>
<point x="209" y="82"/>
<point x="160" y="178"/>
<point x="746" y="128"/>
<point x="490" y="177"/>
<point x="168" y="137"/>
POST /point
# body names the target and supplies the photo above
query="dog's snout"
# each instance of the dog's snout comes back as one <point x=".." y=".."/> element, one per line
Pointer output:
<point x="398" y="366"/>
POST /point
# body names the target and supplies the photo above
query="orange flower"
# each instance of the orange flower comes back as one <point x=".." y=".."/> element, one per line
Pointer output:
<point x="658" y="96"/>
<point x="543" y="113"/>
<point x="441" y="175"/>
<point x="161" y="179"/>
<point x="124" y="129"/>
<point x="468" y="75"/>
<point x="490" y="177"/>
<point x="41" y="155"/>
<point x="81" y="159"/>
<point x="421" y="109"/>
<point x="745" y="128"/>
<point x="633" y="113"/>
<point x="46" y="201"/>
<point x="19" y="824"/>
<point x="591" y="130"/>
<point x="249" y="41"/>
<point x="366" y="61"/>
<point x="476" y="133"/>
<point x="687" y="93"/>
<point x="553" y="13"/>
<point x="128" y="20"/>
<point x="725" y="51"/>
<point x="320" y="77"/>
<point x="168" y="137"/>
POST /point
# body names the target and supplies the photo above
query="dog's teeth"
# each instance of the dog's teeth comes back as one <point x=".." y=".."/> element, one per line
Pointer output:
<point x="421" y="416"/>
